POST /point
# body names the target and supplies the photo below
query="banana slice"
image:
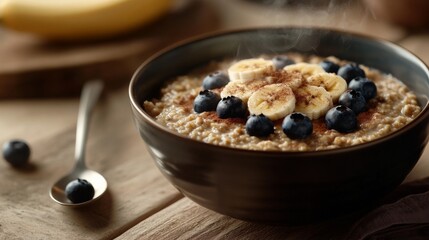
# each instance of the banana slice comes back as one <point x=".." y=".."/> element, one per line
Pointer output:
<point x="250" y="69"/>
<point x="331" y="82"/>
<point x="307" y="69"/>
<point x="294" y="79"/>
<point x="313" y="101"/>
<point x="274" y="101"/>
<point x="242" y="90"/>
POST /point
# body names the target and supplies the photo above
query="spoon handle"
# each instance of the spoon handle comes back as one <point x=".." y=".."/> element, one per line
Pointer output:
<point x="90" y="94"/>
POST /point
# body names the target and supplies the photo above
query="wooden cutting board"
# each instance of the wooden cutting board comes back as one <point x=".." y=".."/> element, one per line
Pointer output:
<point x="34" y="67"/>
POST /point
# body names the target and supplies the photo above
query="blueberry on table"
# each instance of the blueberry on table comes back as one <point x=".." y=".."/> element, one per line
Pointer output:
<point x="206" y="101"/>
<point x="79" y="191"/>
<point x="16" y="152"/>
<point x="231" y="107"/>
<point x="282" y="61"/>
<point x="329" y="67"/>
<point x="215" y="80"/>
<point x="354" y="100"/>
<point x="350" y="71"/>
<point x="259" y="125"/>
<point x="297" y="126"/>
<point x="365" y="86"/>
<point x="342" y="119"/>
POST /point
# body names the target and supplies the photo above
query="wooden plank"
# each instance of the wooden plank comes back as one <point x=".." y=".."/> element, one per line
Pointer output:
<point x="136" y="188"/>
<point x="187" y="220"/>
<point x="32" y="120"/>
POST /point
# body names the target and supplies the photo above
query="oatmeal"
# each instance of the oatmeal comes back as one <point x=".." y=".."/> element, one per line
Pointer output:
<point x="293" y="103"/>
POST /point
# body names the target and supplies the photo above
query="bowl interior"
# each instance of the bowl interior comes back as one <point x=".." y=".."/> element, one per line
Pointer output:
<point x="375" y="53"/>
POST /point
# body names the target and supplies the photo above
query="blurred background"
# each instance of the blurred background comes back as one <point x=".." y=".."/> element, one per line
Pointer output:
<point x="49" y="48"/>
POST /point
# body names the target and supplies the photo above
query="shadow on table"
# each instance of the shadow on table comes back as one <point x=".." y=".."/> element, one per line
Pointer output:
<point x="96" y="215"/>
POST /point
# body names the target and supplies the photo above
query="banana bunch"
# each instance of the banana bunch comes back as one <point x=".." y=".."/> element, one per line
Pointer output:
<point x="80" y="19"/>
<point x="300" y="87"/>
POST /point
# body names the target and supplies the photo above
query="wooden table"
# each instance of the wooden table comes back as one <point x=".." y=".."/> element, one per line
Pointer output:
<point x="140" y="203"/>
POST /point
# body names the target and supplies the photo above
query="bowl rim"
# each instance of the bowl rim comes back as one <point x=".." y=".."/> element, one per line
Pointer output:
<point x="202" y="37"/>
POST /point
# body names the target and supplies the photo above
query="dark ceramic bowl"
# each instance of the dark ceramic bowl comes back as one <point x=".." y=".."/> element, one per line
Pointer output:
<point x="288" y="187"/>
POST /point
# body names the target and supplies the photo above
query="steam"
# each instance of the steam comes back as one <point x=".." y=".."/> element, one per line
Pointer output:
<point x="302" y="39"/>
<point x="346" y="15"/>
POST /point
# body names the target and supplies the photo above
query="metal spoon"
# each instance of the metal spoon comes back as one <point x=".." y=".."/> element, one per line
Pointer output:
<point x="90" y="94"/>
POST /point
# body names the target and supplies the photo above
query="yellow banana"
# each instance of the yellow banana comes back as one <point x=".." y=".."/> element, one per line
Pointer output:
<point x="80" y="19"/>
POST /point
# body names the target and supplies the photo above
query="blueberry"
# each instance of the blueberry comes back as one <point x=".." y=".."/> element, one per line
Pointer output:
<point x="350" y="71"/>
<point x="259" y="125"/>
<point x="297" y="126"/>
<point x="354" y="100"/>
<point x="16" y="152"/>
<point x="341" y="118"/>
<point x="365" y="86"/>
<point x="215" y="80"/>
<point x="329" y="66"/>
<point x="231" y="107"/>
<point x="282" y="61"/>
<point x="79" y="191"/>
<point x="206" y="101"/>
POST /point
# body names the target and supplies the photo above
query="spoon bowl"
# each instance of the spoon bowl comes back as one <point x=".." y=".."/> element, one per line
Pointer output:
<point x="97" y="180"/>
<point x="89" y="97"/>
